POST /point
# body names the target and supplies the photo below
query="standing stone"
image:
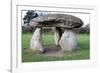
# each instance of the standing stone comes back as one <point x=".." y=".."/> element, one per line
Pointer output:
<point x="57" y="35"/>
<point x="68" y="41"/>
<point x="36" y="41"/>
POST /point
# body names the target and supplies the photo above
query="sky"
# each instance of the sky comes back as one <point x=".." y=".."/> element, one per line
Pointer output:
<point x="85" y="17"/>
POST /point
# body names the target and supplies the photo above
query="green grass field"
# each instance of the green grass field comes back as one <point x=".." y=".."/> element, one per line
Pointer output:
<point x="48" y="39"/>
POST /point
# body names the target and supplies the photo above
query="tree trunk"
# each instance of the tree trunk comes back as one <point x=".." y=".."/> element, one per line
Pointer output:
<point x="36" y="41"/>
<point x="57" y="35"/>
<point x="68" y="41"/>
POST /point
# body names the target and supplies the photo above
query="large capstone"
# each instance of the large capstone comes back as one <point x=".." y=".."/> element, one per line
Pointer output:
<point x="57" y="20"/>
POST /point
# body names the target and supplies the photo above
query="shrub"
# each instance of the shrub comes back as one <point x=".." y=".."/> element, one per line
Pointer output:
<point x="27" y="29"/>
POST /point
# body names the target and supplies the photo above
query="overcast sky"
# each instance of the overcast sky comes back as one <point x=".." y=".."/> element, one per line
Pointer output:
<point x="83" y="16"/>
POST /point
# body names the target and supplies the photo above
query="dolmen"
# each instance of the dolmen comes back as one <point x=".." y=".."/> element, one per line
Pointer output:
<point x="66" y="40"/>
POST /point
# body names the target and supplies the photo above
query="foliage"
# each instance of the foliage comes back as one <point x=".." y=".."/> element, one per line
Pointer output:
<point x="85" y="29"/>
<point x="29" y="15"/>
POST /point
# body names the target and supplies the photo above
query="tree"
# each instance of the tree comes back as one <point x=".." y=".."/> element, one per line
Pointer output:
<point x="29" y="15"/>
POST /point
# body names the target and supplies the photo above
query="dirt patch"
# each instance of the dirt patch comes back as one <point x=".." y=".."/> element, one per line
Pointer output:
<point x="53" y="51"/>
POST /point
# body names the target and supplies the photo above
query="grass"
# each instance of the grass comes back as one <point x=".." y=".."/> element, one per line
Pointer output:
<point x="48" y="39"/>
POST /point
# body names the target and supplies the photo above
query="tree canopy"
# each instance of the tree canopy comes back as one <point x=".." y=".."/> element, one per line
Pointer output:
<point x="30" y="15"/>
